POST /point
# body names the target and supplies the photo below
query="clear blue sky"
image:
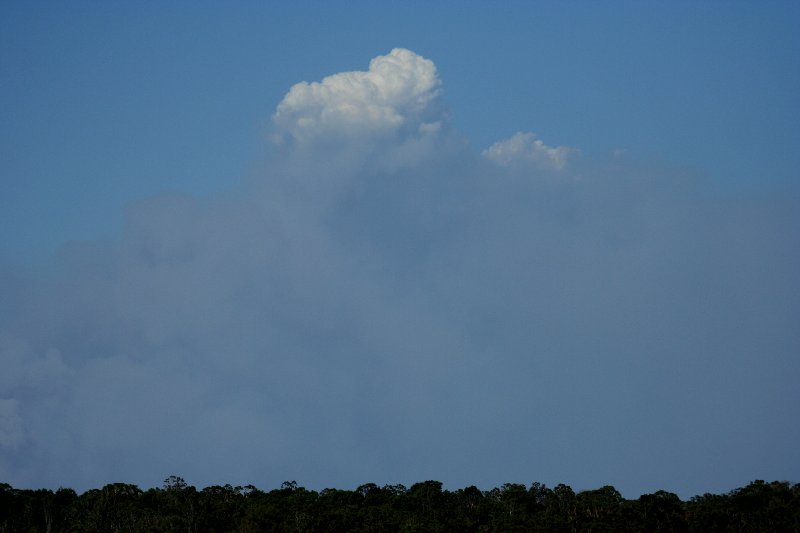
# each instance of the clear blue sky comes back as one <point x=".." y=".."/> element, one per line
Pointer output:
<point x="136" y="133"/>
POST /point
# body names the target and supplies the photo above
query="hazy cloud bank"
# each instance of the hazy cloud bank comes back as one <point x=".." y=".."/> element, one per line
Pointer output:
<point x="385" y="303"/>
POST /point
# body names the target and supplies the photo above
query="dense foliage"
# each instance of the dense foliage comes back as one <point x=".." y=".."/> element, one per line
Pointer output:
<point x="425" y="506"/>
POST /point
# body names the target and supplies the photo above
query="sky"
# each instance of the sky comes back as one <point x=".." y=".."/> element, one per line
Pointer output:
<point x="342" y="243"/>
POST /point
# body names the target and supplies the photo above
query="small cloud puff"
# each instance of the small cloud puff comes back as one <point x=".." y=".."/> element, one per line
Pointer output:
<point x="394" y="95"/>
<point x="526" y="148"/>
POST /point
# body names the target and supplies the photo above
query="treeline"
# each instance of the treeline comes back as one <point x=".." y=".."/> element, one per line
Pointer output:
<point x="425" y="506"/>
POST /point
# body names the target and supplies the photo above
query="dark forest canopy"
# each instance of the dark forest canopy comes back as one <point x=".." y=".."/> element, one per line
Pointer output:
<point x="425" y="506"/>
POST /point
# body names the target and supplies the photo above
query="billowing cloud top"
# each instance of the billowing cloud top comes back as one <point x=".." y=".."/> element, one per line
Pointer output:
<point x="395" y="94"/>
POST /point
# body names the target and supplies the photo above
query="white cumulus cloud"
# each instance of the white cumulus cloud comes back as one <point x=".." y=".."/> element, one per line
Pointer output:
<point x="394" y="95"/>
<point x="526" y="148"/>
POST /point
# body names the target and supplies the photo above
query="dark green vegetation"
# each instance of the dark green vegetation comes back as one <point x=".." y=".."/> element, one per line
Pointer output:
<point x="425" y="506"/>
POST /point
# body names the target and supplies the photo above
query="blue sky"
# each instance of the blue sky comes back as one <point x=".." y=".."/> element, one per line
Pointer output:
<point x="635" y="245"/>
